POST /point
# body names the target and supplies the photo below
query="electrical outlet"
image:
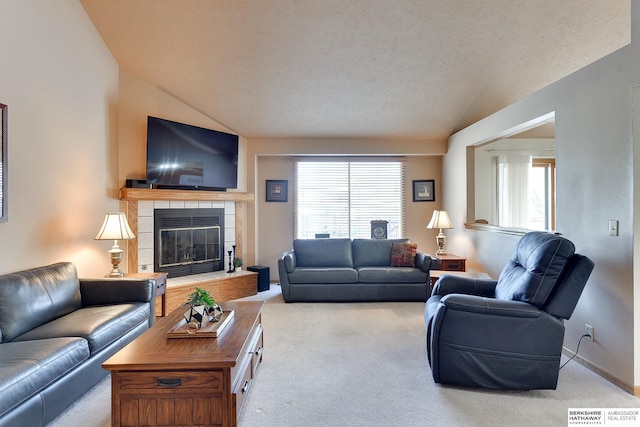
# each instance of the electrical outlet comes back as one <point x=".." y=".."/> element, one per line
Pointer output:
<point x="588" y="330"/>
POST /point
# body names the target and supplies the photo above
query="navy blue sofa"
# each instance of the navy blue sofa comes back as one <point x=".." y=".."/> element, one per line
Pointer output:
<point x="351" y="270"/>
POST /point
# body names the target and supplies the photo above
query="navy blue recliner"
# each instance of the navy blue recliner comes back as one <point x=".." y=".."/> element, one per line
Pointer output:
<point x="507" y="334"/>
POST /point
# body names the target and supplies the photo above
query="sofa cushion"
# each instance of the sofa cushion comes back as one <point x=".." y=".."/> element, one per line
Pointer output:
<point x="99" y="325"/>
<point x="323" y="275"/>
<point x="323" y="252"/>
<point x="534" y="268"/>
<point x="403" y="254"/>
<point x="391" y="275"/>
<point x="34" y="297"/>
<point x="373" y="252"/>
<point x="30" y="366"/>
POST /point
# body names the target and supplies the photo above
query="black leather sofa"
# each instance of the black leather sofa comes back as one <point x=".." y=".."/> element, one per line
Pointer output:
<point x="507" y="333"/>
<point x="56" y="330"/>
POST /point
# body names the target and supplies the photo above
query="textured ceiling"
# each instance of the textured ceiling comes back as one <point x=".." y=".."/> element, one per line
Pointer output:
<point x="355" y="68"/>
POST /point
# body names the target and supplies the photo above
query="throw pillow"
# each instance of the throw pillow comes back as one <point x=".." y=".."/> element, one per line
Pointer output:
<point x="403" y="254"/>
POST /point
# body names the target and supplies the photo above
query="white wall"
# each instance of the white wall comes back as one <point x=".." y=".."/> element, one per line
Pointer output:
<point x="61" y="85"/>
<point x="594" y="152"/>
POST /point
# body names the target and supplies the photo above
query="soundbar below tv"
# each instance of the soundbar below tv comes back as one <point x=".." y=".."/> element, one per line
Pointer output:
<point x="187" y="187"/>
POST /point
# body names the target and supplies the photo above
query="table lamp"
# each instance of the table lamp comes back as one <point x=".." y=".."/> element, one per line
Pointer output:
<point x="440" y="220"/>
<point x="115" y="227"/>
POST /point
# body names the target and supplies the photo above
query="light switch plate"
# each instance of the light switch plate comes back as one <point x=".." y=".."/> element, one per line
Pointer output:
<point x="613" y="227"/>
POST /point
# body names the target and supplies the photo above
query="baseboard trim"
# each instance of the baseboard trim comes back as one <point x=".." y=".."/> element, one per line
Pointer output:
<point x="604" y="374"/>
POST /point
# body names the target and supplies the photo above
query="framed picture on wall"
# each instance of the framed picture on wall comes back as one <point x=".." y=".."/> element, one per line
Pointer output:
<point x="277" y="190"/>
<point x="424" y="190"/>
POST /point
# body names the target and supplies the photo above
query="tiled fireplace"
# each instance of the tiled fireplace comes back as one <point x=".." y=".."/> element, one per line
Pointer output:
<point x="140" y="203"/>
<point x="145" y="235"/>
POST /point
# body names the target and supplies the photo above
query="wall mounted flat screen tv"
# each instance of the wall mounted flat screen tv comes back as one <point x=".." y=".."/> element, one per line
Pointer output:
<point x="183" y="156"/>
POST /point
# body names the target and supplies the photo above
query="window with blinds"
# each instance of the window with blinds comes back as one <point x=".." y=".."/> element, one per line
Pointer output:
<point x="341" y="198"/>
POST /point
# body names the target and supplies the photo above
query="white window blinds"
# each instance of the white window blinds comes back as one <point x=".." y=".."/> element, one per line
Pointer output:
<point x="341" y="198"/>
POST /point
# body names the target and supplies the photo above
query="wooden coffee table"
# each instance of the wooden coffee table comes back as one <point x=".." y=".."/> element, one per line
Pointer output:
<point x="156" y="380"/>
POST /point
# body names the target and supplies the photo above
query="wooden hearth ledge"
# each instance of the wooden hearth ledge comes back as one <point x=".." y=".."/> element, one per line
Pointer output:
<point x="133" y="195"/>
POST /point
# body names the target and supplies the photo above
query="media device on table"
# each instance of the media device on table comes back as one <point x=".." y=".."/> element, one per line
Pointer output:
<point x="183" y="156"/>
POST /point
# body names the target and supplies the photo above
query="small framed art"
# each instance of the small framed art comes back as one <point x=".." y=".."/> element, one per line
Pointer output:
<point x="424" y="190"/>
<point x="277" y="190"/>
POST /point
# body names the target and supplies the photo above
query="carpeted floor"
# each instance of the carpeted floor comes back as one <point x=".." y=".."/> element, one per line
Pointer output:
<point x="364" y="365"/>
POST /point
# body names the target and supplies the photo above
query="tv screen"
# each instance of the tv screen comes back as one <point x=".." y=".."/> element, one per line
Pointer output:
<point x="185" y="156"/>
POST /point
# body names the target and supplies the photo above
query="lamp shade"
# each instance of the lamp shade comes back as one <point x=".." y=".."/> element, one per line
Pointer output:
<point x="115" y="227"/>
<point x="440" y="219"/>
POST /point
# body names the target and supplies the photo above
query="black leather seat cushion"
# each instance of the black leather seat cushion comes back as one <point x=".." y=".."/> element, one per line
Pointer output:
<point x="99" y="325"/>
<point x="30" y="366"/>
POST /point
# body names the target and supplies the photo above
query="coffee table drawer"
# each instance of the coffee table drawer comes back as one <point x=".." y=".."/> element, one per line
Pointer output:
<point x="178" y="380"/>
<point x="242" y="387"/>
<point x="256" y="355"/>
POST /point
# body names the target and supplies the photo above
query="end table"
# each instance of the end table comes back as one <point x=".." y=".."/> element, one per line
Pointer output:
<point x="450" y="262"/>
<point x="160" y="288"/>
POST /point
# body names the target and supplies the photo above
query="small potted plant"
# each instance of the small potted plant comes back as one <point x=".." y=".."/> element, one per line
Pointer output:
<point x="202" y="306"/>
<point x="237" y="264"/>
<point x="201" y="297"/>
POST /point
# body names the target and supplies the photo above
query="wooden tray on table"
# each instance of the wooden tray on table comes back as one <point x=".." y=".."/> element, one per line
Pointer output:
<point x="207" y="330"/>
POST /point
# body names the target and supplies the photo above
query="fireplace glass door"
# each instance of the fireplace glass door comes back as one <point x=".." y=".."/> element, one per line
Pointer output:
<point x="189" y="241"/>
<point x="180" y="246"/>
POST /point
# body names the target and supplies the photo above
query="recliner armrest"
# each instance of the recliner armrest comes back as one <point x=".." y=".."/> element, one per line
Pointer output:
<point x="491" y="306"/>
<point x="450" y="284"/>
<point x="115" y="291"/>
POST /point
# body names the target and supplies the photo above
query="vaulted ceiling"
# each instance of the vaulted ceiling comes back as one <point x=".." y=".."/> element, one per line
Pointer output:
<point x="417" y="69"/>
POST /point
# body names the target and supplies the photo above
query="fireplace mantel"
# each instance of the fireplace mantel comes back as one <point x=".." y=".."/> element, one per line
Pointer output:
<point x="133" y="195"/>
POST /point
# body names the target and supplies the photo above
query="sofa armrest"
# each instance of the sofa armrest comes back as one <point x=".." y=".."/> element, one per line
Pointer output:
<point x="423" y="261"/>
<point x="116" y="291"/>
<point x="286" y="265"/>
<point x="450" y="284"/>
<point x="289" y="260"/>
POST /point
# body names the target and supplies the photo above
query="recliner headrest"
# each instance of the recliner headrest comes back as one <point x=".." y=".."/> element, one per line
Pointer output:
<point x="534" y="268"/>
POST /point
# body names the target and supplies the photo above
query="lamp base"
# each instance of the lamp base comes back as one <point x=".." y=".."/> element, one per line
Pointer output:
<point x="116" y="272"/>
<point x="441" y="239"/>
<point x="115" y="254"/>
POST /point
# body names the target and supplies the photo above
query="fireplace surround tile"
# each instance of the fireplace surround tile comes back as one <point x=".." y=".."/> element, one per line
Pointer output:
<point x="145" y="240"/>
<point x="145" y="208"/>
<point x="145" y="257"/>
<point x="145" y="224"/>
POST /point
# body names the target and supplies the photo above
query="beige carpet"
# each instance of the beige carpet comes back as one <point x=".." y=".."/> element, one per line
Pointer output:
<point x="364" y="365"/>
